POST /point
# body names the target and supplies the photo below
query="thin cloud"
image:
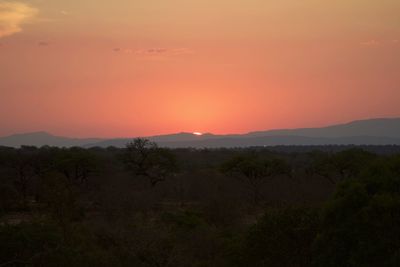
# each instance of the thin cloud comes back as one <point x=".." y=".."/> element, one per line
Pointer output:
<point x="182" y="51"/>
<point x="13" y="15"/>
<point x="164" y="51"/>
<point x="151" y="51"/>
<point x="121" y="50"/>
<point x="370" y="43"/>
<point x="155" y="53"/>
<point x="380" y="43"/>
<point x="43" y="43"/>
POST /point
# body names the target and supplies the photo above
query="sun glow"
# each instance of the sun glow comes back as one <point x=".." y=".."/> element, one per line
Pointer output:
<point x="197" y="133"/>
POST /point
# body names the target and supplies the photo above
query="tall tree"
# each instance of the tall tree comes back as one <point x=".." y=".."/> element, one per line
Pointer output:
<point x="342" y="165"/>
<point x="255" y="171"/>
<point x="144" y="158"/>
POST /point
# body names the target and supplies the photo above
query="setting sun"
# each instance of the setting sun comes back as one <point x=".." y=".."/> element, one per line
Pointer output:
<point x="197" y="133"/>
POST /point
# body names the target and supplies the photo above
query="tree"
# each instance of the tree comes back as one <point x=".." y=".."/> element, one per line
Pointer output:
<point x="342" y="165"/>
<point x="144" y="158"/>
<point x="76" y="164"/>
<point x="61" y="200"/>
<point x="281" y="238"/>
<point x="361" y="224"/>
<point x="255" y="171"/>
<point x="20" y="162"/>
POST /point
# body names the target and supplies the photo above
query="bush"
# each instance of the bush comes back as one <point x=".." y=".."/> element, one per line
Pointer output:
<point x="282" y="237"/>
<point x="361" y="225"/>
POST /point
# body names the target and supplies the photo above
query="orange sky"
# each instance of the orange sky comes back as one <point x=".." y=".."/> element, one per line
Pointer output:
<point x="129" y="67"/>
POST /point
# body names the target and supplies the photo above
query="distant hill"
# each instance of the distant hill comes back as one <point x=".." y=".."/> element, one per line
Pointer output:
<point x="363" y="132"/>
<point x="42" y="138"/>
<point x="373" y="127"/>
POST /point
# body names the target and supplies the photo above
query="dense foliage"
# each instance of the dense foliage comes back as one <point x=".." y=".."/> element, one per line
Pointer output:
<point x="150" y="206"/>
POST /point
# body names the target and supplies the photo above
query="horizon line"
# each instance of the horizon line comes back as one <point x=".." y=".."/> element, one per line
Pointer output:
<point x="205" y="133"/>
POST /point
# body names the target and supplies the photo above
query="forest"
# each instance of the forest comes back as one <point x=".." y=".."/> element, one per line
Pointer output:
<point x="149" y="206"/>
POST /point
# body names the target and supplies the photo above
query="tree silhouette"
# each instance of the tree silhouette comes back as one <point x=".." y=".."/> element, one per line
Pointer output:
<point x="341" y="165"/>
<point x="20" y="162"/>
<point x="255" y="171"/>
<point x="76" y="164"/>
<point x="361" y="224"/>
<point x="144" y="158"/>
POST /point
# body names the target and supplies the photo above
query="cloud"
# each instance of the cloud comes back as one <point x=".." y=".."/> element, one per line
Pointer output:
<point x="43" y="43"/>
<point x="164" y="51"/>
<point x="155" y="53"/>
<point x="182" y="51"/>
<point x="370" y="43"/>
<point x="120" y="50"/>
<point x="380" y="43"/>
<point x="13" y="15"/>
<point x="151" y="51"/>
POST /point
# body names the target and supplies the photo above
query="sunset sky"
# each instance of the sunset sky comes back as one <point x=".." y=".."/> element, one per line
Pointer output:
<point x="103" y="68"/>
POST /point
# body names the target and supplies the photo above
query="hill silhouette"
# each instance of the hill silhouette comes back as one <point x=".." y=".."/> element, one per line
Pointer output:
<point x="385" y="131"/>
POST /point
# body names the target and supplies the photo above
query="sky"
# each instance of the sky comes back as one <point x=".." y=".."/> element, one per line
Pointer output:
<point x="99" y="68"/>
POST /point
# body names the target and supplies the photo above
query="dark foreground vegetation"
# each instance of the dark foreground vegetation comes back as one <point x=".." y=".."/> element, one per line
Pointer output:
<point x="148" y="206"/>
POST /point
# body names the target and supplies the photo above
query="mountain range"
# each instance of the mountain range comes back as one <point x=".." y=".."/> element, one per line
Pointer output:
<point x="384" y="131"/>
